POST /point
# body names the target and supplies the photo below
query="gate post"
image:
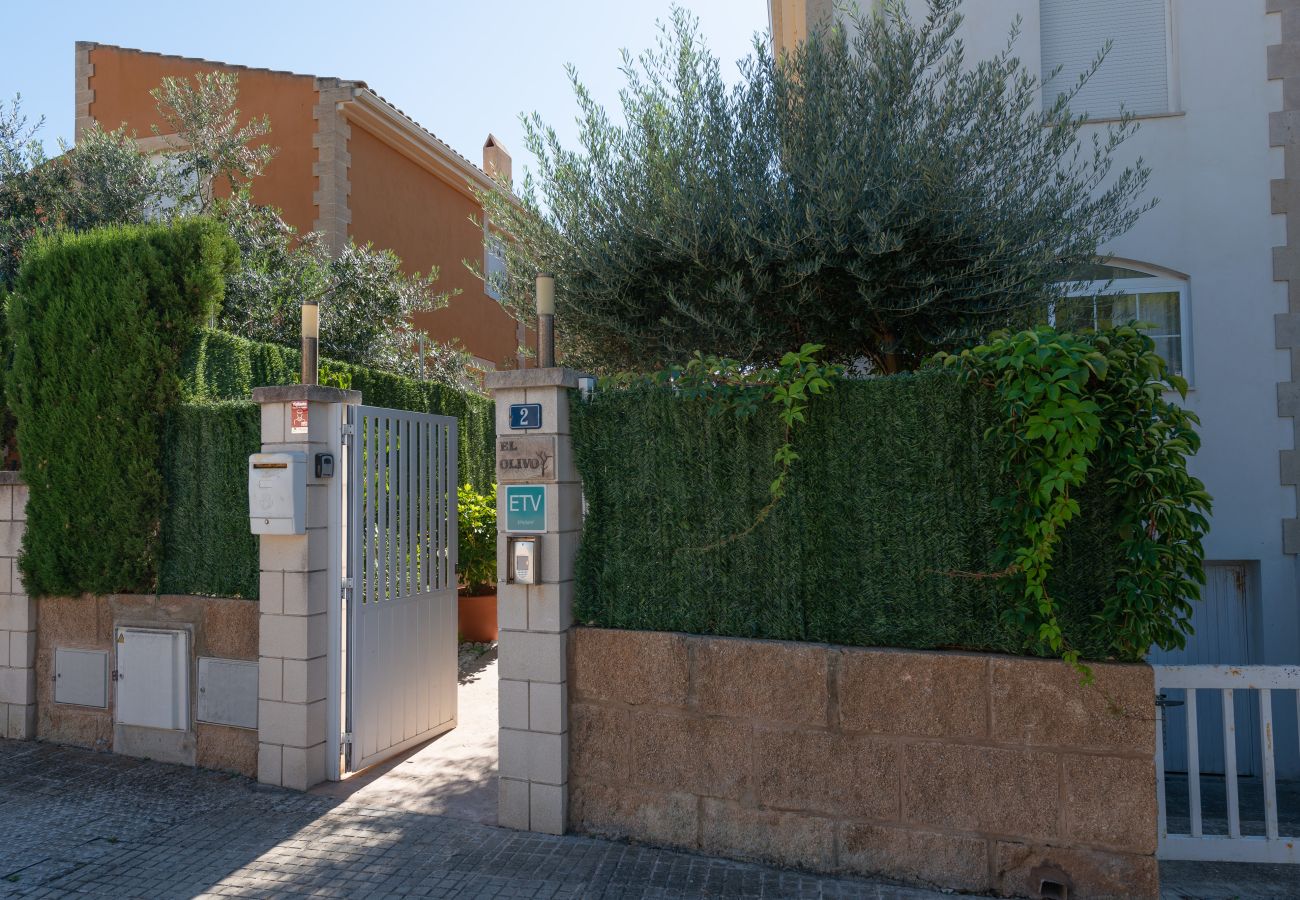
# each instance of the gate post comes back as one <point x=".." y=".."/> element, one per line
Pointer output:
<point x="298" y="591"/>
<point x="534" y="619"/>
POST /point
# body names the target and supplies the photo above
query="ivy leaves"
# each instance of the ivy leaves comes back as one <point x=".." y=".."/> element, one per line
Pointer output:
<point x="1073" y="406"/>
<point x="1071" y="409"/>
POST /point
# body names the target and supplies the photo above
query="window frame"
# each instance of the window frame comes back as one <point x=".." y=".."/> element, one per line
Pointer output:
<point x="491" y="239"/>
<point x="1173" y="87"/>
<point x="1156" y="283"/>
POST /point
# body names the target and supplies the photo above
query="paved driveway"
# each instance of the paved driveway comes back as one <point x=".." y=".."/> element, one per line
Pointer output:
<point x="77" y="822"/>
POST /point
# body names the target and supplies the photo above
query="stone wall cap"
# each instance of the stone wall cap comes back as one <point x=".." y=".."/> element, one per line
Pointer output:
<point x="532" y="378"/>
<point x="282" y="393"/>
<point x="9" y="476"/>
<point x="994" y="656"/>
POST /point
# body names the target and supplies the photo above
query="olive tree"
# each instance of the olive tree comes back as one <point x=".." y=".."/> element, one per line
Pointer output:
<point x="873" y="191"/>
<point x="212" y="160"/>
<point x="104" y="180"/>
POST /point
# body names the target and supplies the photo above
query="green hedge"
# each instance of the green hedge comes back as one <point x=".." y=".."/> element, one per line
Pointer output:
<point x="207" y="547"/>
<point x="886" y="525"/>
<point x="99" y="321"/>
<point x="222" y="366"/>
<point x="8" y="424"/>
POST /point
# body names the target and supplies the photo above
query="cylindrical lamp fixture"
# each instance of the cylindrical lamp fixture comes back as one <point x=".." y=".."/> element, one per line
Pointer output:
<point x="545" y="320"/>
<point x="310" y="341"/>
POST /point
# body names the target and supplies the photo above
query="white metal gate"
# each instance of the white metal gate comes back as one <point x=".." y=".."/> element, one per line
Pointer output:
<point x="1258" y="837"/>
<point x="400" y="650"/>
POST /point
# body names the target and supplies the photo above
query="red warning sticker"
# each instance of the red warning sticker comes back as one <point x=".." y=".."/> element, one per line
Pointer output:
<point x="298" y="417"/>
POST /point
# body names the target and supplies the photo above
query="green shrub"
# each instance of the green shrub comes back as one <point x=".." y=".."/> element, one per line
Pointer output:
<point x="1089" y="408"/>
<point x="99" y="323"/>
<point x="222" y="366"/>
<point x="476" y="516"/>
<point x="884" y="537"/>
<point x="8" y="424"/>
<point x="207" y="547"/>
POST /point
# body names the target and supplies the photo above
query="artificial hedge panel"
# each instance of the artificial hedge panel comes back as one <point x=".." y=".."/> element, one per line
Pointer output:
<point x="223" y="366"/>
<point x="99" y="322"/>
<point x="881" y="540"/>
<point x="207" y="547"/>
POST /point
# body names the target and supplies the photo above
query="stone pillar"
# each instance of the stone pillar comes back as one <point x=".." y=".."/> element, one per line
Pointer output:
<point x="17" y="618"/>
<point x="298" y="592"/>
<point x="534" y="619"/>
<point x="333" y="162"/>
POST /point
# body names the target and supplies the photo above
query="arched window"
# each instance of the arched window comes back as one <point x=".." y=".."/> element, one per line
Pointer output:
<point x="1123" y="292"/>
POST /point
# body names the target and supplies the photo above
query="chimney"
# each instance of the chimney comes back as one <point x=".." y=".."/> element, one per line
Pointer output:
<point x="496" y="161"/>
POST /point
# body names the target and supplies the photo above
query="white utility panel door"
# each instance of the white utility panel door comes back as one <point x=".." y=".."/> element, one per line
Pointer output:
<point x="81" y="677"/>
<point x="153" y="678"/>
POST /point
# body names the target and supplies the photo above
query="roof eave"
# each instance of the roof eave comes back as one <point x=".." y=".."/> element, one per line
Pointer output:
<point x="388" y="123"/>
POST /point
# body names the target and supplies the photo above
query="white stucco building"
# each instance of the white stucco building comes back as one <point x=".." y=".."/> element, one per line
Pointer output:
<point x="1216" y="84"/>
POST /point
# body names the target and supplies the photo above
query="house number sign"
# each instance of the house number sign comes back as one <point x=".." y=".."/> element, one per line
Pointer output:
<point x="525" y="415"/>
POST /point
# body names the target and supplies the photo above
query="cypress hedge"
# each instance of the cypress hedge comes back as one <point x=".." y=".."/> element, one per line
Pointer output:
<point x="99" y="322"/>
<point x="207" y="547"/>
<point x="223" y="366"/>
<point x="885" y="537"/>
<point x="8" y="424"/>
<point x="134" y="420"/>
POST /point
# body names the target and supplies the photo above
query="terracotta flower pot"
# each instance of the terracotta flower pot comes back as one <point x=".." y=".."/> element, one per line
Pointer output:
<point x="478" y="617"/>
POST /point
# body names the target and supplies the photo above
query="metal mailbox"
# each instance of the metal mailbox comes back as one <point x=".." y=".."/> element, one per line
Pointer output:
<point x="277" y="493"/>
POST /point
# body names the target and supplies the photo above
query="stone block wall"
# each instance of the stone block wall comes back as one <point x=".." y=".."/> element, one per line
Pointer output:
<point x="17" y="618"/>
<point x="966" y="771"/>
<point x="217" y="627"/>
<point x="31" y="629"/>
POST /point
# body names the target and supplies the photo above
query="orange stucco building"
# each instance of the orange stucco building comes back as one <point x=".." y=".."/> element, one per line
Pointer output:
<point x="349" y="165"/>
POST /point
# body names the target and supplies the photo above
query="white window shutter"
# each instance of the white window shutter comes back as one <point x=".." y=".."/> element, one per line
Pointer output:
<point x="1136" y="71"/>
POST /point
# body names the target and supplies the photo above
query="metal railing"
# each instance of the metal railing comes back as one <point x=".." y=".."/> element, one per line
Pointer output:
<point x="1228" y="682"/>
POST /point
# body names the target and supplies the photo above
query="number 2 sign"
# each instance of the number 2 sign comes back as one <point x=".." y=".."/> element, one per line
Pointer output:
<point x="525" y="415"/>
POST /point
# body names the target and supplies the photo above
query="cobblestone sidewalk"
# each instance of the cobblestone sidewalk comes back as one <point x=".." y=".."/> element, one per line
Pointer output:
<point x="76" y="822"/>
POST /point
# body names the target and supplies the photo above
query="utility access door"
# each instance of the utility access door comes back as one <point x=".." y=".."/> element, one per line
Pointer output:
<point x="1222" y="636"/>
<point x="400" y="653"/>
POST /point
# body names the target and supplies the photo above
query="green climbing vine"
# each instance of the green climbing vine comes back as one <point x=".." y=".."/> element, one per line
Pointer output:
<point x="1094" y="405"/>
<point x="740" y="389"/>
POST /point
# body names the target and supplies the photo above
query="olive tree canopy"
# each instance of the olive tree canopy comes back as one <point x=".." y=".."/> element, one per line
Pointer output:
<point x="873" y="191"/>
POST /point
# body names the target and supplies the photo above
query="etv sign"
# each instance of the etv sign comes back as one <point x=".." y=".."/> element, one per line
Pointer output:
<point x="525" y="508"/>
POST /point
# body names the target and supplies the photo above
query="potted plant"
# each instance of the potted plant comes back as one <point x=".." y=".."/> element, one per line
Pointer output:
<point x="477" y="601"/>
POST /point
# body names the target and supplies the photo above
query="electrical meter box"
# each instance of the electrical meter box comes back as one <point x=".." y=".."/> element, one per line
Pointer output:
<point x="277" y="493"/>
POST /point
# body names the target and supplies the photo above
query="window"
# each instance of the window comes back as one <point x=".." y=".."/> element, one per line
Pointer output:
<point x="494" y="266"/>
<point x="187" y="185"/>
<point x="1136" y="73"/>
<point x="1116" y="295"/>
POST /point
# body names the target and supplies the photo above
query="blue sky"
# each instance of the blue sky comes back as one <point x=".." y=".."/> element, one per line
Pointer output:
<point x="461" y="69"/>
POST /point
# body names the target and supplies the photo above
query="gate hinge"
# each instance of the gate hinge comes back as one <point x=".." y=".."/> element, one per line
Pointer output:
<point x="347" y="432"/>
<point x="345" y="739"/>
<point x="347" y="588"/>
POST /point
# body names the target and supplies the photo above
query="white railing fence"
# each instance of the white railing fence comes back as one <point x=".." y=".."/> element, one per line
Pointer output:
<point x="1235" y="686"/>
